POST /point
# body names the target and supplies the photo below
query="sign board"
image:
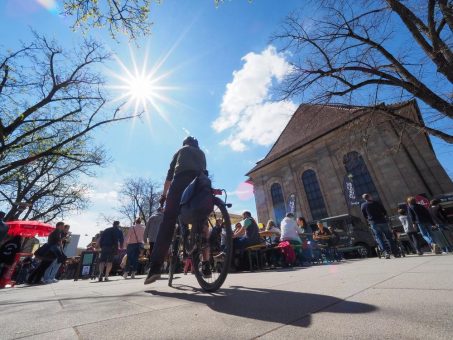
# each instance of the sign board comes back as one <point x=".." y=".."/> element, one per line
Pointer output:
<point x="87" y="265"/>
<point x="349" y="192"/>
<point x="423" y="201"/>
<point x="292" y="203"/>
<point x="71" y="248"/>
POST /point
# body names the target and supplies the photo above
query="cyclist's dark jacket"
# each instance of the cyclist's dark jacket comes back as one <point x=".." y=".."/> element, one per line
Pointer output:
<point x="188" y="158"/>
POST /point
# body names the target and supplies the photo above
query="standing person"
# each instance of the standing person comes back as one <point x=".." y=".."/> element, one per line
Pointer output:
<point x="410" y="230"/>
<point x="439" y="217"/>
<point x="52" y="252"/>
<point x="152" y="228"/>
<point x="375" y="214"/>
<point x="3" y="227"/>
<point x="421" y="218"/>
<point x="187" y="163"/>
<point x="134" y="242"/>
<point x="52" y="271"/>
<point x="109" y="241"/>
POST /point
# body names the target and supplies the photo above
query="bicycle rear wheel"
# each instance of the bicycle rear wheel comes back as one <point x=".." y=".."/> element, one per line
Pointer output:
<point x="220" y="249"/>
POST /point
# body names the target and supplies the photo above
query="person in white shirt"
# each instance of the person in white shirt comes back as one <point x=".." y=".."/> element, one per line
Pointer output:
<point x="289" y="229"/>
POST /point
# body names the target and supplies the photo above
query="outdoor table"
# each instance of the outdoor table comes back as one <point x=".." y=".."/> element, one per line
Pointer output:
<point x="268" y="233"/>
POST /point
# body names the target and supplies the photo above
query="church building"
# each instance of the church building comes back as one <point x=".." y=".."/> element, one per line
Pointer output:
<point x="329" y="155"/>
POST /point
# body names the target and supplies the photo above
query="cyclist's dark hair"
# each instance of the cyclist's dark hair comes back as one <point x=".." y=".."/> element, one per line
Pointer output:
<point x="191" y="141"/>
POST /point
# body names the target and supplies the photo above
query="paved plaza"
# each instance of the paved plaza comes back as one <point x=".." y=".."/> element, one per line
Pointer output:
<point x="408" y="298"/>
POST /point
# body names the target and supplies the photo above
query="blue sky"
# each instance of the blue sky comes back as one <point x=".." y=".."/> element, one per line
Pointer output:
<point x="222" y="68"/>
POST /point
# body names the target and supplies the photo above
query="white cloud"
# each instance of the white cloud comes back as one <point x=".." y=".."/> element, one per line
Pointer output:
<point x="246" y="108"/>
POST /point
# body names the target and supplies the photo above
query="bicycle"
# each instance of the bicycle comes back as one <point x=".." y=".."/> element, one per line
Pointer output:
<point x="189" y="240"/>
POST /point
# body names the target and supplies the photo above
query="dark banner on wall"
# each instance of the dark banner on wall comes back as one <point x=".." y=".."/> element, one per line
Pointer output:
<point x="349" y="192"/>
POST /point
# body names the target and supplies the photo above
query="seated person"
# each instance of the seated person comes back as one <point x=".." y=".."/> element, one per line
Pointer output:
<point x="307" y="251"/>
<point x="302" y="224"/>
<point x="290" y="233"/>
<point x="322" y="235"/>
<point x="215" y="236"/>
<point x="273" y="229"/>
<point x="245" y="235"/>
<point x="289" y="229"/>
<point x="335" y="237"/>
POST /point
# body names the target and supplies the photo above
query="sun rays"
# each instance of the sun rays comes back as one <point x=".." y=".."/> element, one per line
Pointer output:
<point x="142" y="87"/>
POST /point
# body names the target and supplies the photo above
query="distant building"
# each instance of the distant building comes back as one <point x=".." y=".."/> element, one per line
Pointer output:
<point x="329" y="155"/>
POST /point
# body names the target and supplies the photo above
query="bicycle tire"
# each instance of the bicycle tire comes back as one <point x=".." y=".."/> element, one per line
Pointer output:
<point x="211" y="285"/>
<point x="175" y="245"/>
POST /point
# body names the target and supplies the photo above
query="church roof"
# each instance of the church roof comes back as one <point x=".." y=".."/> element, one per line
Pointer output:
<point x="310" y="122"/>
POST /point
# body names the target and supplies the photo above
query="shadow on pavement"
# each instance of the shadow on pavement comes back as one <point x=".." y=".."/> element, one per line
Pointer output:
<point x="265" y="304"/>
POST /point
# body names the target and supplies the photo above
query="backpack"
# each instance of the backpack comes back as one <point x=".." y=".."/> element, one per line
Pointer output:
<point x="287" y="251"/>
<point x="197" y="200"/>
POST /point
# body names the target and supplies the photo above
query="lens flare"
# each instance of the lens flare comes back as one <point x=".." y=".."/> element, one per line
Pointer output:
<point x="50" y="5"/>
<point x="244" y="191"/>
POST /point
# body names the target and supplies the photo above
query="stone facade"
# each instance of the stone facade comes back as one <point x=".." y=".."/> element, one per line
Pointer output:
<point x="400" y="165"/>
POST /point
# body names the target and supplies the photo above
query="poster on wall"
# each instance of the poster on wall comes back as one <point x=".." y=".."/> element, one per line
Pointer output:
<point x="292" y="203"/>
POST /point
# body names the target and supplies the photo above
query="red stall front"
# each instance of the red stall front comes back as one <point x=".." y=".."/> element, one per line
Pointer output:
<point x="26" y="229"/>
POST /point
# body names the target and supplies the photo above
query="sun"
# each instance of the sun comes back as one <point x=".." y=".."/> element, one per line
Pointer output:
<point x="142" y="88"/>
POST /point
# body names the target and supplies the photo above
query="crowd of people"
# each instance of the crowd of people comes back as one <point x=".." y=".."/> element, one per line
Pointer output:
<point x="431" y="223"/>
<point x="292" y="241"/>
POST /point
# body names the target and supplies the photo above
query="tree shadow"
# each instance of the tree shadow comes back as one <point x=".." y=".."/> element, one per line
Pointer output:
<point x="265" y="304"/>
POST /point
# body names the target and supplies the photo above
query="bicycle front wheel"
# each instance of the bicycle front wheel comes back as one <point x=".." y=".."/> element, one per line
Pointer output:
<point x="211" y="274"/>
<point x="174" y="254"/>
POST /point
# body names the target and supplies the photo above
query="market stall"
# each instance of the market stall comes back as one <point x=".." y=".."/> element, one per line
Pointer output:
<point x="10" y="251"/>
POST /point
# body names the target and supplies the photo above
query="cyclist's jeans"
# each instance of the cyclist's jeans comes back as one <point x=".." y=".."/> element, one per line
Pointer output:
<point x="384" y="237"/>
<point x="171" y="212"/>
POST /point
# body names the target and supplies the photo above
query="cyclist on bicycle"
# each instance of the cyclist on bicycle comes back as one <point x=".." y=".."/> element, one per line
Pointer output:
<point x="187" y="163"/>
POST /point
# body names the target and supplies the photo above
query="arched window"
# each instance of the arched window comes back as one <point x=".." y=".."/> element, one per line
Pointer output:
<point x="357" y="171"/>
<point x="314" y="195"/>
<point x="278" y="202"/>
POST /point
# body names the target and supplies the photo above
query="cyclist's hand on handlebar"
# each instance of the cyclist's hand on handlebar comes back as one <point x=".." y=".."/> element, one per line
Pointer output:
<point x="162" y="200"/>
